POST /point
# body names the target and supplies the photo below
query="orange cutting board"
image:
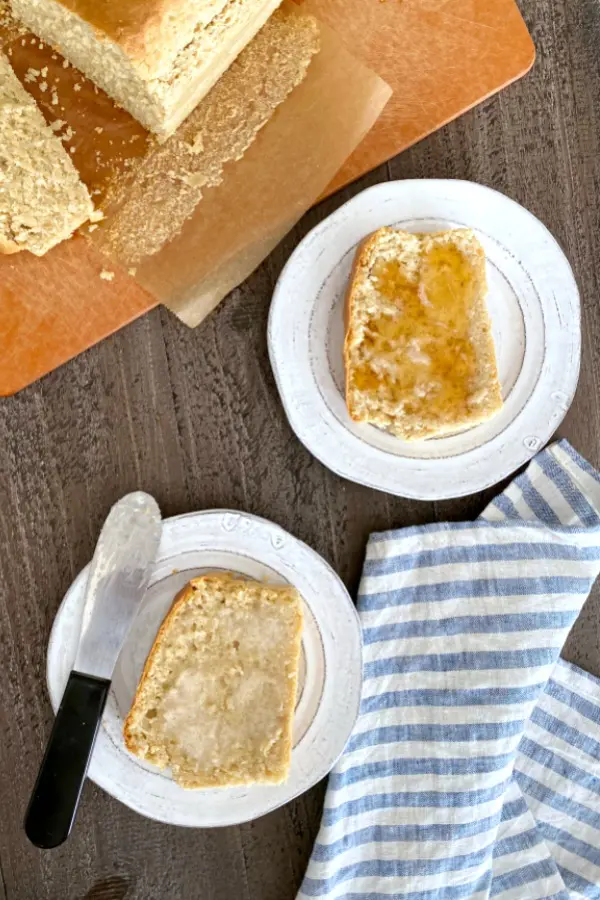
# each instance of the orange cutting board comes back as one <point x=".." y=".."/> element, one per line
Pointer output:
<point x="440" y="56"/>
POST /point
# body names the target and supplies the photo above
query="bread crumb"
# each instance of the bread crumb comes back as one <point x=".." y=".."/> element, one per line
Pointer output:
<point x="92" y="228"/>
<point x="195" y="180"/>
<point x="97" y="215"/>
<point x="133" y="272"/>
<point x="65" y="63"/>
<point x="98" y="129"/>
<point x="198" y="144"/>
<point x="44" y="87"/>
<point x="106" y="275"/>
<point x="77" y="87"/>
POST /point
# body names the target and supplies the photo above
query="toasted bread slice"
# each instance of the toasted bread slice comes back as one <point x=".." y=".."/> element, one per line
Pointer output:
<point x="217" y="696"/>
<point x="419" y="353"/>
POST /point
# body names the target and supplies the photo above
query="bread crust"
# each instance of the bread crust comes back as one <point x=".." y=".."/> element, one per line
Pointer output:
<point x="150" y="32"/>
<point x="360" y="269"/>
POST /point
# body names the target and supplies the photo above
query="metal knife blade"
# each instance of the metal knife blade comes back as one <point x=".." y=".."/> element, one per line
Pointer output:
<point x="119" y="575"/>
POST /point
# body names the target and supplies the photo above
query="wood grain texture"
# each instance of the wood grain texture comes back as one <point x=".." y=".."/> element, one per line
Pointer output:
<point x="194" y="418"/>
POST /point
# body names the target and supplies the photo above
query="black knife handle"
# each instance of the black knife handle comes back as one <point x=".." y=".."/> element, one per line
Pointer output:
<point x="55" y="798"/>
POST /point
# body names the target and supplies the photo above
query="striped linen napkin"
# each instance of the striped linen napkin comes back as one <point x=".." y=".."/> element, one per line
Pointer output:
<point x="474" y="767"/>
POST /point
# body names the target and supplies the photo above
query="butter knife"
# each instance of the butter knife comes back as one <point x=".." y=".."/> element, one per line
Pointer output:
<point x="116" y="585"/>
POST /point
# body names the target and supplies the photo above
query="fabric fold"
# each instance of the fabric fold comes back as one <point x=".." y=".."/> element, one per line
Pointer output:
<point x="471" y="772"/>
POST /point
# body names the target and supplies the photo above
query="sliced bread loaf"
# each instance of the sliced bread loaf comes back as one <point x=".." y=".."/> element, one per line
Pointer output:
<point x="217" y="696"/>
<point x="156" y="58"/>
<point x="42" y="198"/>
<point x="419" y="354"/>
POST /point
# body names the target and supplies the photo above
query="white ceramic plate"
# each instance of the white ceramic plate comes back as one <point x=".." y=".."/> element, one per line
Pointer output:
<point x="330" y="672"/>
<point x="534" y="306"/>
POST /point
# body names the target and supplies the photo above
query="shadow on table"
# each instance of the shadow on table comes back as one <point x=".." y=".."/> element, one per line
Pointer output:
<point x="113" y="888"/>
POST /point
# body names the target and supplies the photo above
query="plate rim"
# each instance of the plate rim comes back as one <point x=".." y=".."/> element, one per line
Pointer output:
<point x="54" y="643"/>
<point x="330" y="221"/>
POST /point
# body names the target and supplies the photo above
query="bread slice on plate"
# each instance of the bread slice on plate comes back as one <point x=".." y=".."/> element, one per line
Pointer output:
<point x="42" y="198"/>
<point x="419" y="354"/>
<point x="156" y="58"/>
<point x="217" y="696"/>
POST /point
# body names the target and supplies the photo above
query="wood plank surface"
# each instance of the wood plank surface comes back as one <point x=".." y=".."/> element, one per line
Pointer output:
<point x="194" y="418"/>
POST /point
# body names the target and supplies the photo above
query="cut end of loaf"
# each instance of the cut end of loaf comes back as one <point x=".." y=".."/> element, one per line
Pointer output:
<point x="216" y="700"/>
<point x="419" y="353"/>
<point x="158" y="88"/>
<point x="42" y="198"/>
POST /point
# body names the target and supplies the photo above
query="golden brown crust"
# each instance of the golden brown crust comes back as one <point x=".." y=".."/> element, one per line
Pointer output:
<point x="360" y="269"/>
<point x="150" y="32"/>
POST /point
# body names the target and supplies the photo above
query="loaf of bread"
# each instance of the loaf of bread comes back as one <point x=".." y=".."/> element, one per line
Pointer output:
<point x="419" y="353"/>
<point x="156" y="58"/>
<point x="42" y="198"/>
<point x="216" y="700"/>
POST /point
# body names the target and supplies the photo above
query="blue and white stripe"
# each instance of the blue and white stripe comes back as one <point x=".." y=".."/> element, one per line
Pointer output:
<point x="474" y="768"/>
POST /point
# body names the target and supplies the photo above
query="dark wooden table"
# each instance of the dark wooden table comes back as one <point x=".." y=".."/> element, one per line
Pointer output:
<point x="194" y="418"/>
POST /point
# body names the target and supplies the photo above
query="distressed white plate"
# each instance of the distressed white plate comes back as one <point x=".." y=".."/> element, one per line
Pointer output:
<point x="330" y="671"/>
<point x="534" y="307"/>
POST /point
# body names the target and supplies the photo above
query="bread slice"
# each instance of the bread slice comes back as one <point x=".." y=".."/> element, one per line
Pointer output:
<point x="156" y="58"/>
<point x="150" y="209"/>
<point x="217" y="696"/>
<point x="419" y="353"/>
<point x="42" y="198"/>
